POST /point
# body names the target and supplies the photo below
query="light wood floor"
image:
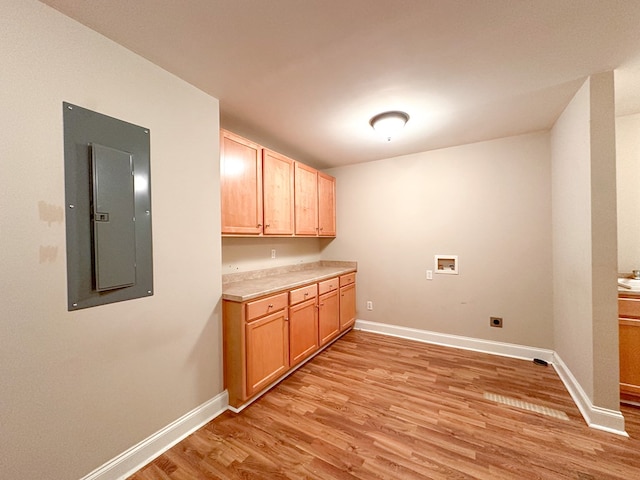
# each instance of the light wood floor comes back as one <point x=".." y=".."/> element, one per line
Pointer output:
<point x="377" y="407"/>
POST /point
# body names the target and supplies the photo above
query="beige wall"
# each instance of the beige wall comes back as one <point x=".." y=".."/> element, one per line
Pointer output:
<point x="241" y="254"/>
<point x="573" y="308"/>
<point x="628" y="181"/>
<point x="604" y="237"/>
<point x="584" y="240"/>
<point x="79" y="388"/>
<point x="488" y="203"/>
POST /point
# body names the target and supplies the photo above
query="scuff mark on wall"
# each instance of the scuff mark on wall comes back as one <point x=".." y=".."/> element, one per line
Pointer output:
<point x="50" y="213"/>
<point x="48" y="253"/>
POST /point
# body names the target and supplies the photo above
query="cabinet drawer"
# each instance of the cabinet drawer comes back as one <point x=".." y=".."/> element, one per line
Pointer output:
<point x="328" y="285"/>
<point x="629" y="307"/>
<point x="347" y="279"/>
<point x="259" y="308"/>
<point x="303" y="293"/>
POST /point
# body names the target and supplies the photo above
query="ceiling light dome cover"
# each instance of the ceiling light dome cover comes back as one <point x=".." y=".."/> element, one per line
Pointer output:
<point x="389" y="123"/>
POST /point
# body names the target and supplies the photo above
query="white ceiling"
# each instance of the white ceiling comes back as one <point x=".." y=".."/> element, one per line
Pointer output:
<point x="305" y="76"/>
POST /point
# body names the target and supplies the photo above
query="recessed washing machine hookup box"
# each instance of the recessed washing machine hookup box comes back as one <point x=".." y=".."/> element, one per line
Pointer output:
<point x="446" y="264"/>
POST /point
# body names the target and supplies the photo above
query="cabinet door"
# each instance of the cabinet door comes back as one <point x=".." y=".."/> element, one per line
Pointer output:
<point x="326" y="205"/>
<point x="328" y="316"/>
<point x="278" y="194"/>
<point x="303" y="331"/>
<point x="629" y="357"/>
<point x="267" y="342"/>
<point x="240" y="185"/>
<point x="306" y="200"/>
<point x="347" y="306"/>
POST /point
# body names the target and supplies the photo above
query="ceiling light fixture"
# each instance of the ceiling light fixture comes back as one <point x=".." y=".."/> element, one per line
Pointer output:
<point x="389" y="123"/>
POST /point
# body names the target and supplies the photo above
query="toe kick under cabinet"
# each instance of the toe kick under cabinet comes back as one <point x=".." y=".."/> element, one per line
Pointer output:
<point x="267" y="337"/>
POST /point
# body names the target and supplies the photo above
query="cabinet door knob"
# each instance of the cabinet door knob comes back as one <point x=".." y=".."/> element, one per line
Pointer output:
<point x="259" y="225"/>
<point x="267" y="225"/>
<point x="271" y="305"/>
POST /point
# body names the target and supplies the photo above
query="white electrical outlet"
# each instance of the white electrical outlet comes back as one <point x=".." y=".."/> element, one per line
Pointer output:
<point x="369" y="305"/>
<point x="429" y="274"/>
<point x="273" y="253"/>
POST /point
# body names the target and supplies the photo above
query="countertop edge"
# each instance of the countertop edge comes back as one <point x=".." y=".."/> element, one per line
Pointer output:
<point x="622" y="293"/>
<point x="286" y="285"/>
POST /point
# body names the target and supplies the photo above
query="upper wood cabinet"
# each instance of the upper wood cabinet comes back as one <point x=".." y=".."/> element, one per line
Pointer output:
<point x="315" y="203"/>
<point x="306" y="204"/>
<point x="278" y="194"/>
<point x="326" y="205"/>
<point x="240" y="185"/>
<point x="266" y="193"/>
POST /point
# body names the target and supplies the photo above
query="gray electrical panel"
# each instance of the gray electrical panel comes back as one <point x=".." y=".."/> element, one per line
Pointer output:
<point x="113" y="215"/>
<point x="108" y="209"/>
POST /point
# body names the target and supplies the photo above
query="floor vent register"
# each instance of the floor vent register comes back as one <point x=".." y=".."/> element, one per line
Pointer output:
<point x="531" y="407"/>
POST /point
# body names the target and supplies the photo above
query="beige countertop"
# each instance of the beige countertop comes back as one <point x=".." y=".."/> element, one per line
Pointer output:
<point x="240" y="287"/>
<point x="625" y="292"/>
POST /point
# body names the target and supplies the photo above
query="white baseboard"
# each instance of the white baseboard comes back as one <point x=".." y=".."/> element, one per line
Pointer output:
<point x="596" y="417"/>
<point x="457" y="341"/>
<point x="130" y="461"/>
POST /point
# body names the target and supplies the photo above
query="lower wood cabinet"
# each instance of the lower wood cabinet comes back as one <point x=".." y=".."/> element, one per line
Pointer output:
<point x="328" y="316"/>
<point x="629" y="345"/>
<point x="267" y="350"/>
<point x="347" y="300"/>
<point x="328" y="310"/>
<point x="303" y="323"/>
<point x="267" y="337"/>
